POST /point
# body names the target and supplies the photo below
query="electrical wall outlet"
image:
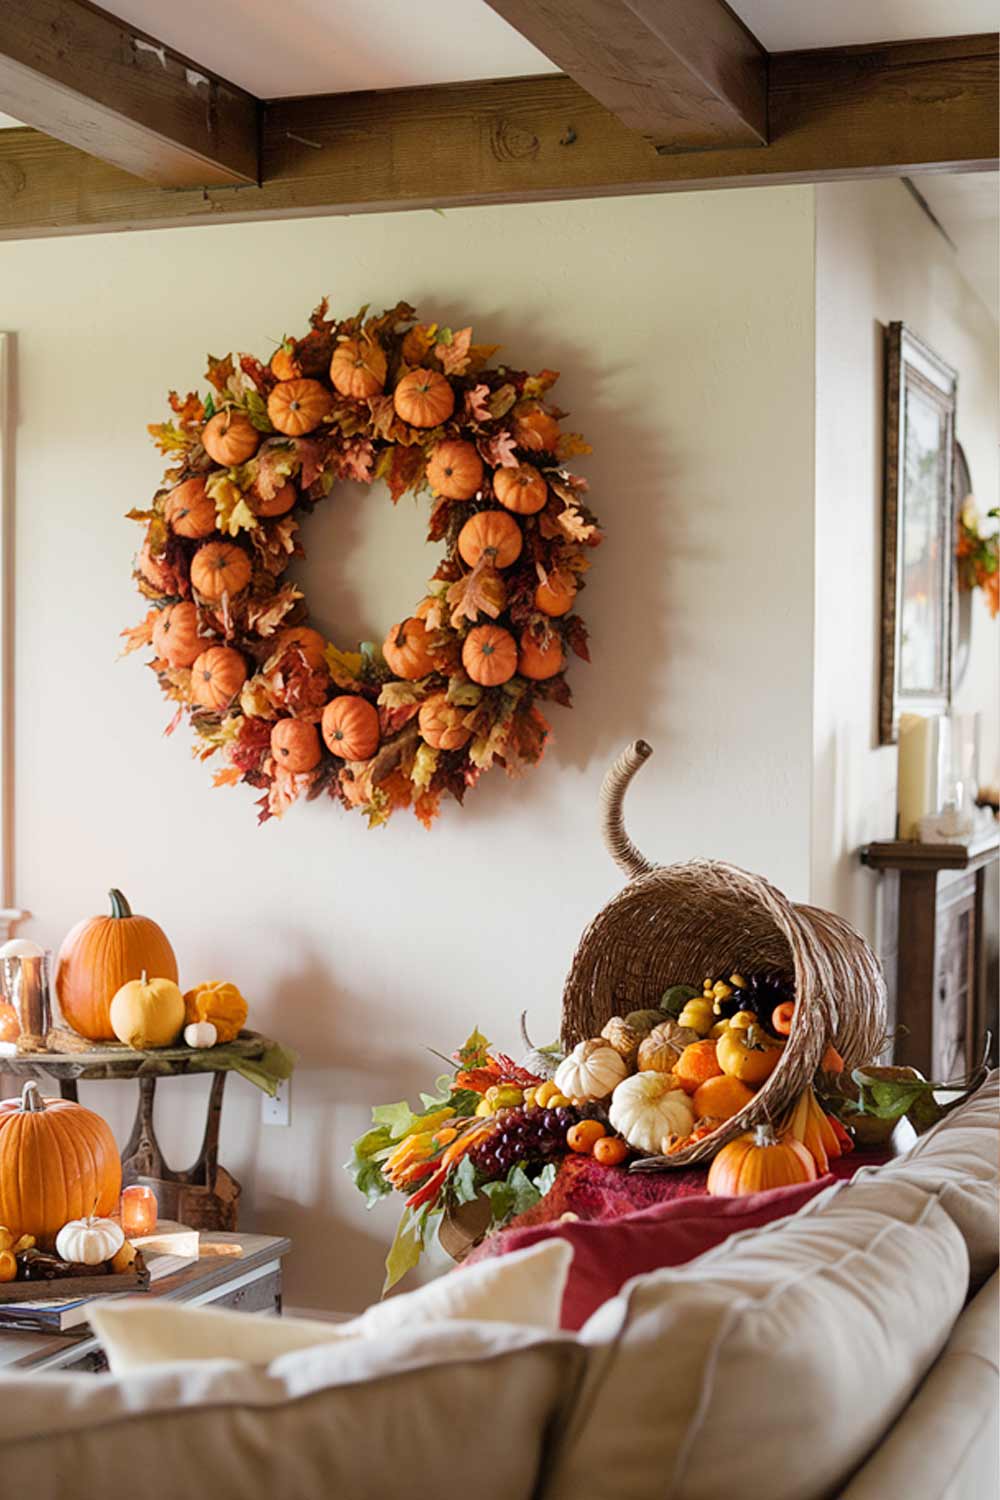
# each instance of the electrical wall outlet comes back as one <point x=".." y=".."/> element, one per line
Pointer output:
<point x="277" y="1111"/>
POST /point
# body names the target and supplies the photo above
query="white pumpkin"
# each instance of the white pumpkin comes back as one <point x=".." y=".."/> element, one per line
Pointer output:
<point x="201" y="1034"/>
<point x="647" y="1107"/>
<point x="89" y="1242"/>
<point x="591" y="1071"/>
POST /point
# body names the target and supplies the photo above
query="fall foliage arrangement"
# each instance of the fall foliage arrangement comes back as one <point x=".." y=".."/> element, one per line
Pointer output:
<point x="456" y="686"/>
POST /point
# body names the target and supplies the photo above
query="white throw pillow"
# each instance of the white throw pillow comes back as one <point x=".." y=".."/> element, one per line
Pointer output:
<point x="427" y="1411"/>
<point x="769" y="1367"/>
<point x="525" y="1288"/>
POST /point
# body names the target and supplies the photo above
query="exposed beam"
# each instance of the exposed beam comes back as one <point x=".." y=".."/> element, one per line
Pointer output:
<point x="687" y="75"/>
<point x="86" y="78"/>
<point x="856" y="112"/>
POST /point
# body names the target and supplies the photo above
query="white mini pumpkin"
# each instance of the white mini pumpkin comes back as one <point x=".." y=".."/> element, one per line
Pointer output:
<point x="647" y="1107"/>
<point x="591" y="1071"/>
<point x="201" y="1034"/>
<point x="89" y="1242"/>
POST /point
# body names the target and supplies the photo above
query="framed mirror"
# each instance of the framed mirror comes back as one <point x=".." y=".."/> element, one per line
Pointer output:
<point x="918" y="576"/>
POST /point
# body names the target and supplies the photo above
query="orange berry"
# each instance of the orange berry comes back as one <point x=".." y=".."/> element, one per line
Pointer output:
<point x="720" y="1098"/>
<point x="696" y="1064"/>
<point x="584" y="1136"/>
<point x="610" y="1151"/>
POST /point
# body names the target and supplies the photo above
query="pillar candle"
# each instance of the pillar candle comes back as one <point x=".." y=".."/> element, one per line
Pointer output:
<point x="919" y="771"/>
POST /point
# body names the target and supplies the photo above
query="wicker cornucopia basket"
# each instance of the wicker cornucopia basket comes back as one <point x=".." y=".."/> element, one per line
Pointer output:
<point x="672" y="924"/>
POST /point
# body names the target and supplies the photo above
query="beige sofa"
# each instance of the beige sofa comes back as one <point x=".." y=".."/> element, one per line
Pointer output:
<point x="848" y="1351"/>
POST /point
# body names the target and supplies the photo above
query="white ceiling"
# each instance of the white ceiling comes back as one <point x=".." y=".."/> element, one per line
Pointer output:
<point x="782" y="25"/>
<point x="967" y="206"/>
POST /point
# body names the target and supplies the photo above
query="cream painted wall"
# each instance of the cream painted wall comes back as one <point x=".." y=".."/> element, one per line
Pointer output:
<point x="878" y="259"/>
<point x="684" y="327"/>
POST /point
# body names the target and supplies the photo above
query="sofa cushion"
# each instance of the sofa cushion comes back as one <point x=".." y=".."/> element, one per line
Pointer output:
<point x="365" y="1419"/>
<point x="526" y="1289"/>
<point x="945" y="1445"/>
<point x="956" y="1161"/>
<point x="769" y="1367"/>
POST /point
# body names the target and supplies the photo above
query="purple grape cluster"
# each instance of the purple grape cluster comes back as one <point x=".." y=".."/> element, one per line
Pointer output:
<point x="536" y="1135"/>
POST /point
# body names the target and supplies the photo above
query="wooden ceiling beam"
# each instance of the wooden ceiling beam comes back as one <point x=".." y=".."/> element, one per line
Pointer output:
<point x="89" y="80"/>
<point x="688" y="75"/>
<point x="894" y="110"/>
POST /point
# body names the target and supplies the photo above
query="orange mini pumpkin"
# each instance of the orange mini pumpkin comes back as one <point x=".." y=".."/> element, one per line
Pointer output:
<point x="540" y="662"/>
<point x="489" y="655"/>
<point x="176" y="637"/>
<point x="284" y="362"/>
<point x="440" y="723"/>
<point x="556" y="595"/>
<point x="189" y="510"/>
<point x="407" y="651"/>
<point x="522" y="489"/>
<point x="358" y="368"/>
<point x="535" y="429"/>
<point x="423" y="398"/>
<point x="696" y="1064"/>
<point x="216" y="678"/>
<point x="493" y="534"/>
<point x="295" y="745"/>
<point x="279" y="504"/>
<point x="455" y="470"/>
<point x="98" y="956"/>
<point x="296" y="407"/>
<point x="220" y="568"/>
<point x="230" y="438"/>
<point x="308" y="641"/>
<point x="350" y="727"/>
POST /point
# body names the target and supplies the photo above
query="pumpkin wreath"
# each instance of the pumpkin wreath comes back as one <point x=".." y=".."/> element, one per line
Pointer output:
<point x="455" y="687"/>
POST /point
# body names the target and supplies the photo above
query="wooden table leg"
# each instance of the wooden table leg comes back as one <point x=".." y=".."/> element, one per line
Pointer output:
<point x="141" y="1156"/>
<point x="68" y="1090"/>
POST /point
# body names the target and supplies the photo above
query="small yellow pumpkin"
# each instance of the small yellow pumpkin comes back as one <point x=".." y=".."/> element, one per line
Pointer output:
<point x="218" y="1001"/>
<point x="147" y="1013"/>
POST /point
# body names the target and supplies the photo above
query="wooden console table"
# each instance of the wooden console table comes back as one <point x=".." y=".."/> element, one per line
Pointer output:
<point x="249" y="1281"/>
<point x="937" y="976"/>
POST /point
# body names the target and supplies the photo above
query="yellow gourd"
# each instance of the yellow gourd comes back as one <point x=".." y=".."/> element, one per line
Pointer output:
<point x="220" y="1002"/>
<point x="147" y="1013"/>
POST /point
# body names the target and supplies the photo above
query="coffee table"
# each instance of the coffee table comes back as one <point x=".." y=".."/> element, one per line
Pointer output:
<point x="249" y="1282"/>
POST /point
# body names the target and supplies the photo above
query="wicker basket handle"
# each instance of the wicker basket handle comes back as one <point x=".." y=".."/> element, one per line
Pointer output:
<point x="615" y="785"/>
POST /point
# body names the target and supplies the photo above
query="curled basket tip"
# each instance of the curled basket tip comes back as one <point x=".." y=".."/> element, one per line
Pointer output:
<point x="615" y="784"/>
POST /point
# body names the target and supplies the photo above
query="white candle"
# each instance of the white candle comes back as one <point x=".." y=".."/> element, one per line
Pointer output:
<point x="21" y="948"/>
<point x="919" y="771"/>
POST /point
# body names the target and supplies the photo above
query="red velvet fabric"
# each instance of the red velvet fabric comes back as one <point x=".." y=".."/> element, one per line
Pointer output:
<point x="631" y="1223"/>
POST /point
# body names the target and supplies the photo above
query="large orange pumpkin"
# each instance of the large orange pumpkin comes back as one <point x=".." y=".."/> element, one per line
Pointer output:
<point x="535" y="429"/>
<point x="303" y="638"/>
<point x="295" y="745"/>
<point x="489" y="655"/>
<point x="556" y="595"/>
<point x="440" y="723"/>
<point x="522" y="489"/>
<point x="230" y="438"/>
<point x="455" y="470"/>
<point x="220" y="568"/>
<point x="423" y="398"/>
<point x="58" y="1161"/>
<point x="176" y="636"/>
<point x="350" y="727"/>
<point x="358" y="368"/>
<point x="492" y="533"/>
<point x="407" y="651"/>
<point x="540" y="662"/>
<point x="216" y="678"/>
<point x="279" y="504"/>
<point x="296" y="407"/>
<point x="190" y="510"/>
<point x="98" y="956"/>
<point x="754" y="1162"/>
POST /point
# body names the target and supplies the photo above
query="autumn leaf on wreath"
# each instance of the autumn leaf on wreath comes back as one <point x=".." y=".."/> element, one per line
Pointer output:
<point x="423" y="768"/>
<point x="135" y="514"/>
<point x="219" y="372"/>
<point x="480" y="592"/>
<point x="263" y="380"/>
<point x="576" y="637"/>
<point x="401" y="468"/>
<point x="255" y="406"/>
<point x="175" y="683"/>
<point x="275" y="544"/>
<point x="286" y="788"/>
<point x="571" y="444"/>
<point x="275" y="462"/>
<point x="537" y="385"/>
<point x="266" y="615"/>
<point x="313" y="454"/>
<point x="477" y="403"/>
<point x="463" y="694"/>
<point x="189" y="409"/>
<point x="227" y="776"/>
<point x="344" y="666"/>
<point x="139" y="635"/>
<point x="255" y="699"/>
<point x="480" y="355"/>
<point x="169" y="438"/>
<point x="501" y="401"/>
<point x="251" y="744"/>
<point x="418" y="343"/>
<point x="400" y="694"/>
<point x="232" y="513"/>
<point x="356" y="461"/>
<point x="452" y="350"/>
<point x="500" y="452"/>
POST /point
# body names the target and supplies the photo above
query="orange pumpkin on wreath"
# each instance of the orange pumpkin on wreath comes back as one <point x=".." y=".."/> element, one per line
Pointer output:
<point x="368" y="398"/>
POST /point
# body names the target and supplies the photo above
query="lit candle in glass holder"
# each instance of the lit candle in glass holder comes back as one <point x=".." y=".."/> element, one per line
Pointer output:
<point x="138" y="1210"/>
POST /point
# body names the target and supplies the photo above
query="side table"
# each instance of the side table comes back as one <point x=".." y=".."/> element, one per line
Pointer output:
<point x="248" y="1282"/>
